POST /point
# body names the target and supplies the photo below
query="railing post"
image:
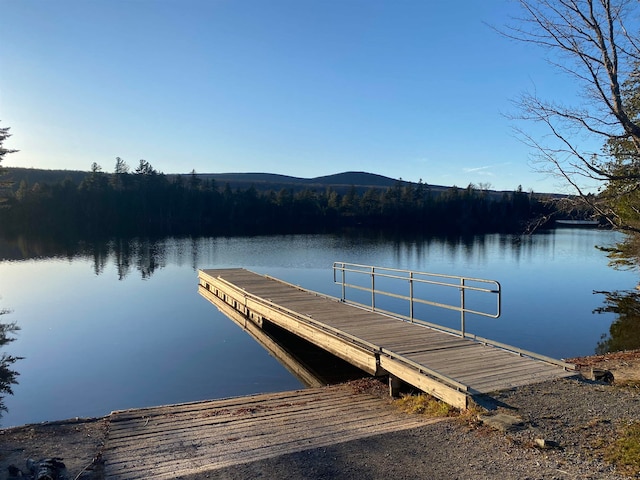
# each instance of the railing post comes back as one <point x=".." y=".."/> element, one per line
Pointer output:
<point x="462" y="325"/>
<point x="411" y="296"/>
<point x="373" y="289"/>
<point x="474" y="285"/>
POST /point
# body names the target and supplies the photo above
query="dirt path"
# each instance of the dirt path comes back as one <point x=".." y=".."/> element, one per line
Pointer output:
<point x="577" y="418"/>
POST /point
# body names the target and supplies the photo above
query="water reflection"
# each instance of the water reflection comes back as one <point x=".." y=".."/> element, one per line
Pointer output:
<point x="624" y="331"/>
<point x="154" y="341"/>
<point x="144" y="255"/>
<point x="147" y="255"/>
<point x="311" y="365"/>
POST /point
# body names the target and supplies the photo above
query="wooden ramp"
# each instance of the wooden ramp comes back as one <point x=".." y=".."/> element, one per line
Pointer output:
<point x="180" y="440"/>
<point x="437" y="362"/>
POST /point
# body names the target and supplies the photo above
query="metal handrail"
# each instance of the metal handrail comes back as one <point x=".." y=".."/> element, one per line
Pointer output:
<point x="477" y="338"/>
<point x="454" y="281"/>
<point x="336" y="332"/>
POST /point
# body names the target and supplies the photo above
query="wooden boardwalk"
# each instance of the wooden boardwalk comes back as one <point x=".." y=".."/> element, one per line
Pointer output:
<point x="195" y="438"/>
<point x="447" y="366"/>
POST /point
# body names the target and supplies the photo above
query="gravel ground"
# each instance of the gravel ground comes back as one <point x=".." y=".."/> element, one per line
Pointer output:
<point x="579" y="418"/>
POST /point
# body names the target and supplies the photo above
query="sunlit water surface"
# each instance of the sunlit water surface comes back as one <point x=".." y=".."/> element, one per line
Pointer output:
<point x="121" y="325"/>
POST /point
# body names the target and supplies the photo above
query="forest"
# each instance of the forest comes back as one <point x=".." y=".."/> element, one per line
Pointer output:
<point x="148" y="202"/>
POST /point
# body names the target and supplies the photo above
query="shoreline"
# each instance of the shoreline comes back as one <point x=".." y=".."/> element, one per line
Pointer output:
<point x="622" y="365"/>
<point x="578" y="416"/>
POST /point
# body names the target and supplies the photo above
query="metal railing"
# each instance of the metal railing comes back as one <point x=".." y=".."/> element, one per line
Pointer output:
<point x="463" y="284"/>
<point x="336" y="332"/>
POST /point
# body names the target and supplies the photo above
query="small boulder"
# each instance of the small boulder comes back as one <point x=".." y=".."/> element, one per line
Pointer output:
<point x="545" y="443"/>
<point x="598" y="375"/>
<point x="502" y="422"/>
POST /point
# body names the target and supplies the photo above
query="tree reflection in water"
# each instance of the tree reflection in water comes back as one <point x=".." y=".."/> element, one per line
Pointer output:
<point x="8" y="376"/>
<point x="624" y="332"/>
<point x="144" y="255"/>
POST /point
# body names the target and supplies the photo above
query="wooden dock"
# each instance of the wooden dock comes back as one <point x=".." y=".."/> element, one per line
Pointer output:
<point x="437" y="362"/>
<point x="195" y="438"/>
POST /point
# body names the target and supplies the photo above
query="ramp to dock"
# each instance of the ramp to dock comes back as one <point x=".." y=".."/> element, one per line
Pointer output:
<point x="180" y="440"/>
<point x="440" y="363"/>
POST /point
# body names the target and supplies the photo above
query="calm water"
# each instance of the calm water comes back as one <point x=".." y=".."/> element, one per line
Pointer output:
<point x="121" y="325"/>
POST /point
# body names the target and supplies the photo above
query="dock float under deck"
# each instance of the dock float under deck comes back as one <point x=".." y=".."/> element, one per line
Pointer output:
<point x="449" y="367"/>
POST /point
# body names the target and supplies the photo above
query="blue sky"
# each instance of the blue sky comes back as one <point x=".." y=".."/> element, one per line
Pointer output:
<point x="402" y="88"/>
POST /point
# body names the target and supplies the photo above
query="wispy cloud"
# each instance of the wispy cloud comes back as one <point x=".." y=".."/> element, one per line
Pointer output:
<point x="477" y="169"/>
<point x="485" y="170"/>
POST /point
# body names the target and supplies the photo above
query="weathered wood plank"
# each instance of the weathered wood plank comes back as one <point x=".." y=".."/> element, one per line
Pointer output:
<point x="479" y="361"/>
<point x="266" y="400"/>
<point x="179" y="448"/>
<point x="146" y="436"/>
<point x="506" y="383"/>
<point x="425" y="383"/>
<point x="142" y="445"/>
<point x="360" y="336"/>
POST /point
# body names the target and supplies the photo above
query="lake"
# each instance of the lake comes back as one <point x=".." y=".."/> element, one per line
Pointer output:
<point x="119" y="324"/>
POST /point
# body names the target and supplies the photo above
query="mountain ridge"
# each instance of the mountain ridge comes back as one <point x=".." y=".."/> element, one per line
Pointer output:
<point x="260" y="180"/>
<point x="341" y="182"/>
<point x="348" y="178"/>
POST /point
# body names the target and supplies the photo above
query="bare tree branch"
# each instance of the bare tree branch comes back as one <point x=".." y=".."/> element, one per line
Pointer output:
<point x="597" y="43"/>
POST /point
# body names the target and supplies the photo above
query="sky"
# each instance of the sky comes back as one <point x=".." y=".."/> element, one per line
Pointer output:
<point x="411" y="89"/>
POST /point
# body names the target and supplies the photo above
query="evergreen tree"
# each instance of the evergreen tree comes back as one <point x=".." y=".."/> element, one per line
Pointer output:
<point x="7" y="375"/>
<point x="4" y="184"/>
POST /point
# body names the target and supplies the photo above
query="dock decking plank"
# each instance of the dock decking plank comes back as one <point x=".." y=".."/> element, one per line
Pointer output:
<point x="474" y="364"/>
<point x="174" y="446"/>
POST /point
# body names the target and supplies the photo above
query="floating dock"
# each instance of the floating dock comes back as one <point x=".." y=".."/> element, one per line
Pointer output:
<point x="450" y="367"/>
<point x="195" y="438"/>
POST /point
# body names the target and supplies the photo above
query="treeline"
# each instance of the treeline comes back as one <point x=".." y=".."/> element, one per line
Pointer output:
<point x="147" y="202"/>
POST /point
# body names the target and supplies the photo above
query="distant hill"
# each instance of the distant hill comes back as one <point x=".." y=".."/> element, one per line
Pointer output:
<point x="340" y="182"/>
<point x="355" y="178"/>
<point x="36" y="175"/>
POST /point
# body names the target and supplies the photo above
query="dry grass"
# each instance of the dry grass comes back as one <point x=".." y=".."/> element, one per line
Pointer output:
<point x="625" y="451"/>
<point x="630" y="384"/>
<point x="424" y="404"/>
